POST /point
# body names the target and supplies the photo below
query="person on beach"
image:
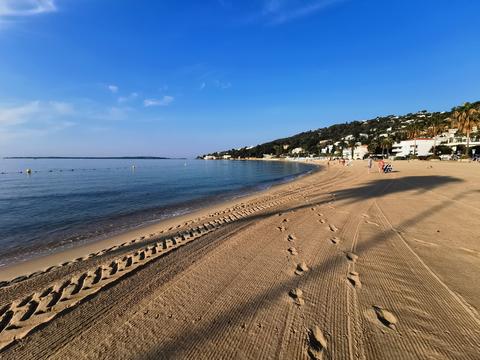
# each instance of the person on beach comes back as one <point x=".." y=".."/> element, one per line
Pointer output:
<point x="381" y="164"/>
<point x="370" y="163"/>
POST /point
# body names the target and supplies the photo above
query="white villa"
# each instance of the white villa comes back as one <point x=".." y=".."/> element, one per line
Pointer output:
<point x="358" y="152"/>
<point x="453" y="139"/>
<point x="419" y="147"/>
<point x="297" y="150"/>
<point x="327" y="149"/>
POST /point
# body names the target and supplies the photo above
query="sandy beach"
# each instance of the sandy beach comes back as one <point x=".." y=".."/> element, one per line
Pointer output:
<point x="340" y="264"/>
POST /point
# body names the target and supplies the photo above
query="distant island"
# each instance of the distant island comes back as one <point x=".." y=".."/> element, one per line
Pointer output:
<point x="95" y="157"/>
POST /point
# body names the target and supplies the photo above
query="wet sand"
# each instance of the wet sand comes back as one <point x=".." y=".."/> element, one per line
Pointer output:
<point x="340" y="264"/>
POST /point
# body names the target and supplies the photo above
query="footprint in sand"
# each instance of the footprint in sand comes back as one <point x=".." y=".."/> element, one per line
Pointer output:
<point x="292" y="251"/>
<point x="354" y="279"/>
<point x="291" y="237"/>
<point x="317" y="343"/>
<point x="297" y="295"/>
<point x="281" y="228"/>
<point x="385" y="317"/>
<point x="352" y="256"/>
<point x="285" y="220"/>
<point x="332" y="228"/>
<point x="322" y="221"/>
<point x="302" y="268"/>
<point x="335" y="239"/>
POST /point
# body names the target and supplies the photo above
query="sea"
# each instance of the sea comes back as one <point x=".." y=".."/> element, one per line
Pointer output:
<point x="63" y="203"/>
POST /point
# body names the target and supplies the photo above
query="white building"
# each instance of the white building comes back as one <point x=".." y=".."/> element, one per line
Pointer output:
<point x="453" y="139"/>
<point x="419" y="147"/>
<point x="359" y="152"/>
<point x="227" y="156"/>
<point x="327" y="149"/>
<point x="297" y="150"/>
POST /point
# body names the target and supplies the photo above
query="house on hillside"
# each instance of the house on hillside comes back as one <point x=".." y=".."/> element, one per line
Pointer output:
<point x="327" y="149"/>
<point x="298" y="150"/>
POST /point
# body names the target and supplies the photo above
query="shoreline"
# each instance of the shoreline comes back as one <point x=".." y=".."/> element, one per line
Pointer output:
<point x="18" y="268"/>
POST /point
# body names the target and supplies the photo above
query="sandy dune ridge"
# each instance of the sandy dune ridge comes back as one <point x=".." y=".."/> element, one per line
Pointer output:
<point x="340" y="264"/>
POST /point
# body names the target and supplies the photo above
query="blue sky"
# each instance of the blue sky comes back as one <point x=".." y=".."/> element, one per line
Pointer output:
<point x="180" y="78"/>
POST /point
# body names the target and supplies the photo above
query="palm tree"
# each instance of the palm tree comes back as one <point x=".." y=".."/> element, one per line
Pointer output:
<point x="372" y="147"/>
<point x="352" y="143"/>
<point x="413" y="131"/>
<point x="387" y="143"/>
<point x="435" y="123"/>
<point x="342" y="145"/>
<point x="465" y="118"/>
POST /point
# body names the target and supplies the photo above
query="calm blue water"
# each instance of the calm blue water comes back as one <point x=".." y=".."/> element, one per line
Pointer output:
<point x="67" y="202"/>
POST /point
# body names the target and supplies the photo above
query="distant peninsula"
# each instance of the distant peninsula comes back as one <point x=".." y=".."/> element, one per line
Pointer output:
<point x="94" y="157"/>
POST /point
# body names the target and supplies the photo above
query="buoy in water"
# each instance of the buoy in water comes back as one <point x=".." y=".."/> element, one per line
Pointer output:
<point x="28" y="171"/>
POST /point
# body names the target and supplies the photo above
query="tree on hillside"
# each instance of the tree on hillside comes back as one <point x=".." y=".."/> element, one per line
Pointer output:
<point x="278" y="150"/>
<point x="465" y="118"/>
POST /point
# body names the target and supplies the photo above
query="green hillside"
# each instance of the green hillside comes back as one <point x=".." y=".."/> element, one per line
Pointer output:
<point x="379" y="134"/>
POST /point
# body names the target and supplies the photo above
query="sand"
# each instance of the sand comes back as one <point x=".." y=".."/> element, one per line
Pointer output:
<point x="340" y="264"/>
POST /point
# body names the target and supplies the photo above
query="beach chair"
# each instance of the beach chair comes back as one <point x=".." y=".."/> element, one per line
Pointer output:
<point x="387" y="168"/>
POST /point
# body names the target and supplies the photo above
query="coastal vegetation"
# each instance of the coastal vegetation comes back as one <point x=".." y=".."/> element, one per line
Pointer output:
<point x="466" y="118"/>
<point x="378" y="134"/>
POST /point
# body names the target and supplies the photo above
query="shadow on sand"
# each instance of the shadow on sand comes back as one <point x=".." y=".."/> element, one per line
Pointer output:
<point x="233" y="318"/>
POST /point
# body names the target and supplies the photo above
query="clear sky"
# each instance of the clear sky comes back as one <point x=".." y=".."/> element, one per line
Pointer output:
<point x="180" y="77"/>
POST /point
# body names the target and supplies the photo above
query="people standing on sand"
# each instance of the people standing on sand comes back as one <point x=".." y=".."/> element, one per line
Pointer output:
<point x="381" y="164"/>
<point x="370" y="163"/>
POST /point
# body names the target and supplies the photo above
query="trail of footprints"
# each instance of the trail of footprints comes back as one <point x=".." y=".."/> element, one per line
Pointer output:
<point x="317" y="344"/>
<point x="20" y="317"/>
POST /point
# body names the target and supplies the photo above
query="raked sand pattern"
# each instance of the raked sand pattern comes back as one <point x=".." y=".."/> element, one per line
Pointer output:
<point x="337" y="265"/>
